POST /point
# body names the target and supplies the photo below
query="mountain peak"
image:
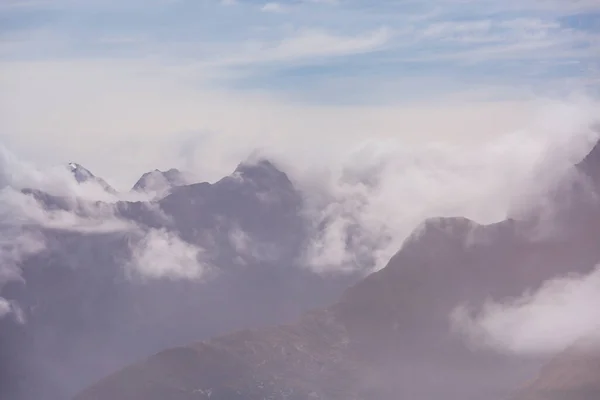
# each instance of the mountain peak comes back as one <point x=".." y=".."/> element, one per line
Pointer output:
<point x="160" y="181"/>
<point x="82" y="175"/>
<point x="590" y="166"/>
<point x="260" y="170"/>
<point x="591" y="162"/>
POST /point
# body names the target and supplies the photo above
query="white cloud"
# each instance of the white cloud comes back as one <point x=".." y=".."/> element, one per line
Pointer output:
<point x="248" y="248"/>
<point x="445" y="30"/>
<point x="23" y="219"/>
<point x="84" y="214"/>
<point x="84" y="217"/>
<point x="365" y="207"/>
<point x="5" y="308"/>
<point x="304" y="46"/>
<point x="11" y="308"/>
<point x="321" y="43"/>
<point x="138" y="112"/>
<point x="562" y="312"/>
<point x="55" y="180"/>
<point x="554" y="7"/>
<point x="519" y="38"/>
<point x="330" y="2"/>
<point x="449" y="157"/>
<point x="16" y="245"/>
<point x="273" y="7"/>
<point x="240" y="241"/>
<point x="162" y="254"/>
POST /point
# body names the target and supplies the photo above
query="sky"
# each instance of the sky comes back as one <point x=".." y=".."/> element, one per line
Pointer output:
<point x="123" y="87"/>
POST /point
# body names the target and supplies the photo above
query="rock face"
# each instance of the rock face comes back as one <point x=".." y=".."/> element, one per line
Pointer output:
<point x="389" y="336"/>
<point x="87" y="316"/>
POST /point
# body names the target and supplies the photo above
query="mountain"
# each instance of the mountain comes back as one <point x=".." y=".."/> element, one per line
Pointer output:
<point x="389" y="336"/>
<point x="590" y="166"/>
<point x="96" y="300"/>
<point x="83" y="175"/>
<point x="160" y="182"/>
<point x="572" y="375"/>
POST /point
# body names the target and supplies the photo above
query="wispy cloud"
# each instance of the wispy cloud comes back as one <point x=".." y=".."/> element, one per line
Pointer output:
<point x="12" y="309"/>
<point x="306" y="45"/>
<point x="274" y="7"/>
<point x="4" y="307"/>
<point x="384" y="39"/>
<point x="162" y="254"/>
<point x="24" y="218"/>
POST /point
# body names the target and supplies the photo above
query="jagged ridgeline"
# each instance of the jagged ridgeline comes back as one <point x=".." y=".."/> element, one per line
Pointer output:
<point x="389" y="337"/>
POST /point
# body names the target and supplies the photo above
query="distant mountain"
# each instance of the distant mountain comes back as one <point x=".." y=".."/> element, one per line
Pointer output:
<point x="161" y="182"/>
<point x="389" y="336"/>
<point x="90" y="313"/>
<point x="83" y="175"/>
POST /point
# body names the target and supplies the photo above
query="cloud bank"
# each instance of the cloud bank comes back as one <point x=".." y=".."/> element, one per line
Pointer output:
<point x="562" y="312"/>
<point x="365" y="207"/>
<point x="364" y="197"/>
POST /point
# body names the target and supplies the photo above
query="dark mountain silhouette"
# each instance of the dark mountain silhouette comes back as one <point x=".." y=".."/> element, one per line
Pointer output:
<point x="87" y="316"/>
<point x="389" y="336"/>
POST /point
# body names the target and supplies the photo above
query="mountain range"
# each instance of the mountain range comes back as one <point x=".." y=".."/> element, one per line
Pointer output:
<point x="134" y="277"/>
<point x="249" y="321"/>
<point x="390" y="335"/>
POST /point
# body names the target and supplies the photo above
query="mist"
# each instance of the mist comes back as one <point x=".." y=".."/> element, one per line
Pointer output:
<point x="359" y="204"/>
<point x="365" y="198"/>
<point x="543" y="322"/>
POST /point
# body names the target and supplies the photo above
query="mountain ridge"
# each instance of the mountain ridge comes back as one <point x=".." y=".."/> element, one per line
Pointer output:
<point x="392" y="327"/>
<point x="91" y="310"/>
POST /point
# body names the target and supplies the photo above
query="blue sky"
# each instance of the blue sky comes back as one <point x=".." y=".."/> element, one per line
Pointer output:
<point x="296" y="47"/>
<point x="120" y="72"/>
